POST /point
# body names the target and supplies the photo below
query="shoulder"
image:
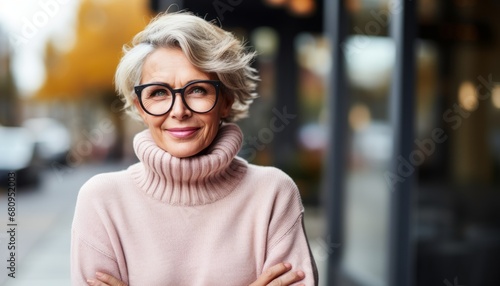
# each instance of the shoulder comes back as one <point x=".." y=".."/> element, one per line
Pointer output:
<point x="270" y="174"/>
<point x="271" y="181"/>
<point x="98" y="197"/>
<point x="105" y="181"/>
<point x="102" y="186"/>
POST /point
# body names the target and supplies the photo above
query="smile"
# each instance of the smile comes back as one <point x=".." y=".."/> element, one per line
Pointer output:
<point x="182" y="133"/>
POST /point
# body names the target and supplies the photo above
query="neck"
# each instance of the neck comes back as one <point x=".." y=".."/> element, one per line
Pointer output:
<point x="197" y="180"/>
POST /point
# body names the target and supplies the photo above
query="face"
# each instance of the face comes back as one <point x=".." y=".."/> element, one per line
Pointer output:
<point x="181" y="132"/>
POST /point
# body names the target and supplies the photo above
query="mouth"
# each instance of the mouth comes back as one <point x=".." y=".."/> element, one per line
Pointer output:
<point x="183" y="132"/>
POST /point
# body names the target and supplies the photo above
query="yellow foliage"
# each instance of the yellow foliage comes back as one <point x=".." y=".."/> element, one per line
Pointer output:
<point x="103" y="27"/>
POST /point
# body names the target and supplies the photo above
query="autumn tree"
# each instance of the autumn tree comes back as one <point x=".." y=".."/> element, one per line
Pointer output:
<point x="85" y="71"/>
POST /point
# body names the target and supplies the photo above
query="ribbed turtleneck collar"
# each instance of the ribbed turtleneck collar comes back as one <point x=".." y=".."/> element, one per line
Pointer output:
<point x="196" y="180"/>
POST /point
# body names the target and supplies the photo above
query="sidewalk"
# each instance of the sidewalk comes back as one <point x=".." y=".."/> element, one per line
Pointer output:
<point x="47" y="264"/>
<point x="43" y="216"/>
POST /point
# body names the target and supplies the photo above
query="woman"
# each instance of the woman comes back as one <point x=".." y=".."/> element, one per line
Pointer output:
<point x="190" y="212"/>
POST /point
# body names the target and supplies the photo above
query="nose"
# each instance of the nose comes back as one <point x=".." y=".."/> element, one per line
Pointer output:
<point x="179" y="111"/>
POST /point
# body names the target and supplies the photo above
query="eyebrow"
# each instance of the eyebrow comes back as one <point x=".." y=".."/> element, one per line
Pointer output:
<point x="169" y="85"/>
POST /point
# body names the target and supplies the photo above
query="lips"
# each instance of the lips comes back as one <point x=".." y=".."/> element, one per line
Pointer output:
<point x="183" y="132"/>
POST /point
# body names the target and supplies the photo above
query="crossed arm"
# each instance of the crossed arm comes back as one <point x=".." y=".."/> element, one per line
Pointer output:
<point x="277" y="275"/>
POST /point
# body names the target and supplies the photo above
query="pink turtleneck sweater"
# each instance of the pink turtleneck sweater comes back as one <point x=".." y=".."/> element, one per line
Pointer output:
<point x="212" y="219"/>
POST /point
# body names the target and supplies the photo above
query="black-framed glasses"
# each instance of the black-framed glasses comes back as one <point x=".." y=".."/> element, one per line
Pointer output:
<point x="199" y="96"/>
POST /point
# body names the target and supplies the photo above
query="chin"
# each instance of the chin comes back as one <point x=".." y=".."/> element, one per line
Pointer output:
<point x="183" y="153"/>
<point x="188" y="148"/>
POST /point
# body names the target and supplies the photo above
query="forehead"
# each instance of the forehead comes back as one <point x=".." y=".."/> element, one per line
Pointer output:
<point x="170" y="65"/>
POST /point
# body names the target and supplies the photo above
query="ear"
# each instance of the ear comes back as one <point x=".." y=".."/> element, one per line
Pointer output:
<point x="227" y="104"/>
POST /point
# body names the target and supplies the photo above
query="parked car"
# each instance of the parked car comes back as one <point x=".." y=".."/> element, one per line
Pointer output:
<point x="52" y="139"/>
<point x="17" y="154"/>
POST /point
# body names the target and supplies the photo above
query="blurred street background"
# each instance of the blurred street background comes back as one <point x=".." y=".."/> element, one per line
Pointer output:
<point x="386" y="113"/>
<point x="44" y="215"/>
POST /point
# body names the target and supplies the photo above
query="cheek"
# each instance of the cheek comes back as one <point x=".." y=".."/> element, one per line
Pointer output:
<point x="153" y="122"/>
<point x="216" y="118"/>
<point x="212" y="123"/>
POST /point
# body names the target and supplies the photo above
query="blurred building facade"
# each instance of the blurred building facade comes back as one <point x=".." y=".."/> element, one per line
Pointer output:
<point x="449" y="168"/>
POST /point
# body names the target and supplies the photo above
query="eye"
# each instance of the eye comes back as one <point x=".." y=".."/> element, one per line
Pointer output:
<point x="158" y="93"/>
<point x="196" y="90"/>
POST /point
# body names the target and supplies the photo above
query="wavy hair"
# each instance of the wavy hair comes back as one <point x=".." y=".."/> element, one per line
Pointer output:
<point x="207" y="46"/>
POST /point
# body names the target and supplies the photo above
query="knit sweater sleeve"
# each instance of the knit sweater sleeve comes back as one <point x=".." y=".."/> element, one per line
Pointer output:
<point x="287" y="241"/>
<point x="94" y="242"/>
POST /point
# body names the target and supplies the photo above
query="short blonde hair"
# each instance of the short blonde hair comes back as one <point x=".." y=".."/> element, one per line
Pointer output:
<point x="207" y="47"/>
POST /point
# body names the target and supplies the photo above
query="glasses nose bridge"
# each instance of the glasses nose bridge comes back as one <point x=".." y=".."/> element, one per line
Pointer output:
<point x="174" y="95"/>
<point x="178" y="90"/>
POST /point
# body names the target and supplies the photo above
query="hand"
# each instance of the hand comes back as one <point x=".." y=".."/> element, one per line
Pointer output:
<point x="105" y="280"/>
<point x="279" y="275"/>
<point x="274" y="276"/>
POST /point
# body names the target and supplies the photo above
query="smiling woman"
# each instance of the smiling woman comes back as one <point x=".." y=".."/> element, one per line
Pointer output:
<point x="184" y="127"/>
<point x="191" y="212"/>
